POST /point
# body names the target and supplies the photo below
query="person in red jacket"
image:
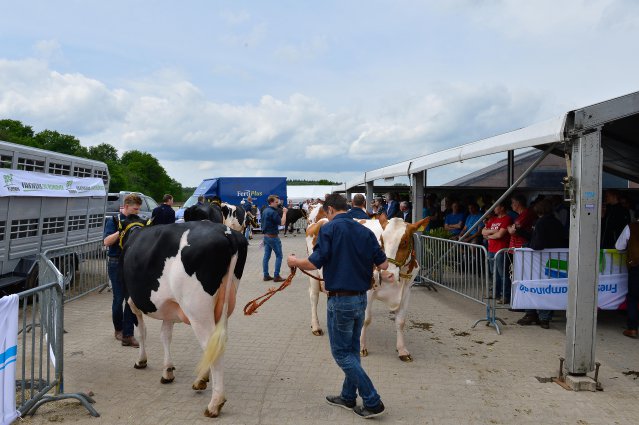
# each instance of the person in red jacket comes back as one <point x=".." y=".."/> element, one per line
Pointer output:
<point x="496" y="233"/>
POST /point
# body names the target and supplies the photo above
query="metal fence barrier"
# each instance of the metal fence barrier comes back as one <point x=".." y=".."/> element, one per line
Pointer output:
<point x="460" y="267"/>
<point x="83" y="267"/>
<point x="40" y="360"/>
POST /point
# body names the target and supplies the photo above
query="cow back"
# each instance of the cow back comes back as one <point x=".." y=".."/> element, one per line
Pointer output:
<point x="206" y="211"/>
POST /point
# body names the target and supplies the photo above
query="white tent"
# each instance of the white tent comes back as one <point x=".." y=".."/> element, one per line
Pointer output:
<point x="301" y="193"/>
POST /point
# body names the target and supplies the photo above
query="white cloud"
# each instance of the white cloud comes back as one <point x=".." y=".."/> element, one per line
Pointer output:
<point x="195" y="137"/>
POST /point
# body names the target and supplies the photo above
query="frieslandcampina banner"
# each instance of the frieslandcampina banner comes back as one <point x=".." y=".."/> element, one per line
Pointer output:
<point x="29" y="183"/>
<point x="540" y="279"/>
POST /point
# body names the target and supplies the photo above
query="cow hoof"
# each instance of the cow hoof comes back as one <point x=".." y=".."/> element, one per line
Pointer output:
<point x="140" y="365"/>
<point x="318" y="332"/>
<point x="210" y="414"/>
<point x="163" y="380"/>
<point x="200" y="386"/>
<point x="407" y="358"/>
<point x="364" y="352"/>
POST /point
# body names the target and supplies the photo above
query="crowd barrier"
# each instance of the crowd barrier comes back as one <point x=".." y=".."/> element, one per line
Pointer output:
<point x="40" y="359"/>
<point x="83" y="267"/>
<point x="460" y="267"/>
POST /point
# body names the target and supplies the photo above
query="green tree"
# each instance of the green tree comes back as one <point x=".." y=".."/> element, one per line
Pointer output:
<point x="104" y="152"/>
<point x="61" y="143"/>
<point x="143" y="173"/>
<point x="15" y="132"/>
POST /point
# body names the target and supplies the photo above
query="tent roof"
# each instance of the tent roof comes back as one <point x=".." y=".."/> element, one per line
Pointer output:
<point x="620" y="139"/>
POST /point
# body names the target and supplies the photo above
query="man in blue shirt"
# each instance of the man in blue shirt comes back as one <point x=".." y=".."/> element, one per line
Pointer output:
<point x="473" y="217"/>
<point x="359" y="208"/>
<point x="270" y="229"/>
<point x="392" y="208"/>
<point x="123" y="321"/>
<point x="347" y="252"/>
<point x="454" y="221"/>
<point x="164" y="214"/>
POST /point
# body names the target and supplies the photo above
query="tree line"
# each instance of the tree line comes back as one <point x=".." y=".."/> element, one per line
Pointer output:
<point x="134" y="171"/>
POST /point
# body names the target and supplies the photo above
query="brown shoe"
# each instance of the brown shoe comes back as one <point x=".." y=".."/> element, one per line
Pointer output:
<point x="278" y="279"/>
<point x="118" y="335"/>
<point x="267" y="278"/>
<point x="630" y="333"/>
<point x="130" y="341"/>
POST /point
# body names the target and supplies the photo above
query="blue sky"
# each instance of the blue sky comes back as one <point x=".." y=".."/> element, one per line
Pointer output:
<point x="306" y="89"/>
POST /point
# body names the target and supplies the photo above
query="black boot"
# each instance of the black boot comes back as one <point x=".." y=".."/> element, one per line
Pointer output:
<point x="528" y="319"/>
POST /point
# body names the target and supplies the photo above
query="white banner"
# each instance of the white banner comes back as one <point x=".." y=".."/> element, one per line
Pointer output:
<point x="540" y="279"/>
<point x="29" y="183"/>
<point x="8" y="356"/>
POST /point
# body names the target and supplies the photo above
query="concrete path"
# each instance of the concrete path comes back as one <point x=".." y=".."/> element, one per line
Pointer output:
<point x="277" y="372"/>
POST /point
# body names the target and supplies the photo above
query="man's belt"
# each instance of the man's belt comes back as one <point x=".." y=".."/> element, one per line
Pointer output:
<point x="345" y="293"/>
<point x="270" y="236"/>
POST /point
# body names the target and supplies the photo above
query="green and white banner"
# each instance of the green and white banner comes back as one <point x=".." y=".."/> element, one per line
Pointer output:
<point x="29" y="183"/>
<point x="540" y="279"/>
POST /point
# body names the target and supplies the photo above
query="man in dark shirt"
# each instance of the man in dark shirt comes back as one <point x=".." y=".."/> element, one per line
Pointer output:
<point x="164" y="214"/>
<point x="359" y="208"/>
<point x="123" y="320"/>
<point x="271" y="221"/>
<point x="347" y="253"/>
<point x="614" y="220"/>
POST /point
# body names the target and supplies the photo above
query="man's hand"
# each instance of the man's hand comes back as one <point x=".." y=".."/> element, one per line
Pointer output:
<point x="291" y="260"/>
<point x="284" y="209"/>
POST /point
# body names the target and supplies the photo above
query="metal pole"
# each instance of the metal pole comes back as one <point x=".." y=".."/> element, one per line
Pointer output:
<point x="417" y="192"/>
<point x="583" y="273"/>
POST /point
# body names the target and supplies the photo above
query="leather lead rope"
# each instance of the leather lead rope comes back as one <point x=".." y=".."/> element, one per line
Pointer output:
<point x="252" y="306"/>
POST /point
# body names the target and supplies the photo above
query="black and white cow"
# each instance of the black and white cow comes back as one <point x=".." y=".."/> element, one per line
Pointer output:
<point x="206" y="211"/>
<point x="292" y="215"/>
<point x="233" y="216"/>
<point x="185" y="272"/>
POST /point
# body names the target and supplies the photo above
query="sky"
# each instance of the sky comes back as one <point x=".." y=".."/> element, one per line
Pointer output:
<point x="307" y="90"/>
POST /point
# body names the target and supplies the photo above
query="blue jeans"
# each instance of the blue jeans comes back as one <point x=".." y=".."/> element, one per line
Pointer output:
<point x="542" y="314"/>
<point x="633" y="297"/>
<point x="122" y="320"/>
<point x="247" y="232"/>
<point x="344" y="319"/>
<point x="502" y="271"/>
<point x="275" y="245"/>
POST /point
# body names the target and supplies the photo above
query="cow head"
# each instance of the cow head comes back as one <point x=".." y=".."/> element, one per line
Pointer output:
<point x="397" y="242"/>
<point x="233" y="216"/>
<point x="206" y="211"/>
<point x="316" y="213"/>
<point x="129" y="226"/>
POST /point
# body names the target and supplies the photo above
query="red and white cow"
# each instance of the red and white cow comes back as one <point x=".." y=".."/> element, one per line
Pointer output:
<point x="394" y="286"/>
<point x="316" y="218"/>
<point x="186" y="272"/>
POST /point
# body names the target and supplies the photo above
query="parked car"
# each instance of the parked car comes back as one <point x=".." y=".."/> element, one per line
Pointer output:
<point x="115" y="201"/>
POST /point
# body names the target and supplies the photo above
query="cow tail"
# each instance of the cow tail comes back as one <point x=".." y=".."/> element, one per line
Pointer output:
<point x="217" y="341"/>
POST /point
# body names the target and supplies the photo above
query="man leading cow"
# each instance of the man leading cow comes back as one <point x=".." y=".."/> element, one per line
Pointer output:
<point x="347" y="253"/>
<point x="123" y="320"/>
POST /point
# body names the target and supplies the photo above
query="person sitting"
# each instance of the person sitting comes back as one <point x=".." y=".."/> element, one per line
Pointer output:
<point x="473" y="217"/>
<point x="454" y="222"/>
<point x="358" y="209"/>
<point x="547" y="233"/>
